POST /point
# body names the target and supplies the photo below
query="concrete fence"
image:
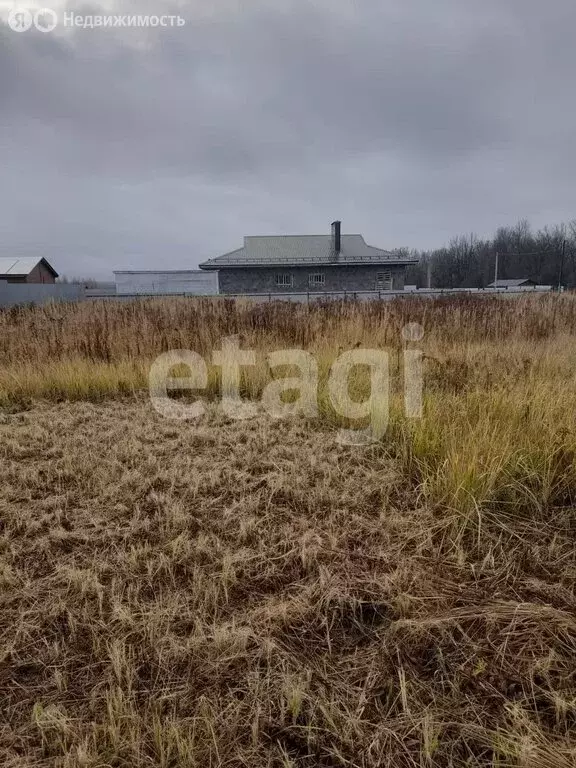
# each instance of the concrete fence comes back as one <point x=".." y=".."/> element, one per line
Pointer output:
<point x="386" y="295"/>
<point x="12" y="294"/>
<point x="336" y="295"/>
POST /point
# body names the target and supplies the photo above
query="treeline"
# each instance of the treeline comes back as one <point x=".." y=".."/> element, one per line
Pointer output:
<point x="87" y="282"/>
<point x="547" y="256"/>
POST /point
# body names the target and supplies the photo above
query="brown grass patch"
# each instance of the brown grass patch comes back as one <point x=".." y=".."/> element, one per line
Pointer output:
<point x="222" y="594"/>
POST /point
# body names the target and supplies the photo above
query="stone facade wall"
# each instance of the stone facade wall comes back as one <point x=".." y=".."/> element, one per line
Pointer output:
<point x="337" y="278"/>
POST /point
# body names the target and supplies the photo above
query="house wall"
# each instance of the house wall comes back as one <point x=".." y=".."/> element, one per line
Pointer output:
<point x="40" y="275"/>
<point x="337" y="278"/>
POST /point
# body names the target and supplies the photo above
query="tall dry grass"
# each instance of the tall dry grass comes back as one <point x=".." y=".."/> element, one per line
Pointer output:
<point x="499" y="417"/>
<point x="113" y="332"/>
<point x="86" y="350"/>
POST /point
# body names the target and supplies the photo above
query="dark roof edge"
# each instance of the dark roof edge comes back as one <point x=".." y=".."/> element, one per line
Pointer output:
<point x="316" y="264"/>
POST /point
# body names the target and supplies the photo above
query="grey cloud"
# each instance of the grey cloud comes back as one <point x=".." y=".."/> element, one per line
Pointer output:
<point x="412" y="121"/>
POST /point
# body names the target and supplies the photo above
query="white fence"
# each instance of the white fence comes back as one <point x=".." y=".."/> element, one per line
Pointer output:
<point x="189" y="282"/>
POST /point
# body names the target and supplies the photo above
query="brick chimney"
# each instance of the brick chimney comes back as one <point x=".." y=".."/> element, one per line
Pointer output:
<point x="336" y="238"/>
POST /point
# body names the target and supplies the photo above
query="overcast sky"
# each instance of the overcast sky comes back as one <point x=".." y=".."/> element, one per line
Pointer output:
<point x="410" y="120"/>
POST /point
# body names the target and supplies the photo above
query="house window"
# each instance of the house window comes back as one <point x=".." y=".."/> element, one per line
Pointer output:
<point x="384" y="281"/>
<point x="284" y="280"/>
<point x="316" y="278"/>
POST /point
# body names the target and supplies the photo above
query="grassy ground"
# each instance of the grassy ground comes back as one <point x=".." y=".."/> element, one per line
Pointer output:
<point x="229" y="593"/>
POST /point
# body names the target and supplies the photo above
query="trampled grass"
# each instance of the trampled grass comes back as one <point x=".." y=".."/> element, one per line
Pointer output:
<point x="218" y="593"/>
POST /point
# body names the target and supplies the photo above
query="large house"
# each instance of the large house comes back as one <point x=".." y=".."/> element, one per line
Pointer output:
<point x="26" y="270"/>
<point x="309" y="264"/>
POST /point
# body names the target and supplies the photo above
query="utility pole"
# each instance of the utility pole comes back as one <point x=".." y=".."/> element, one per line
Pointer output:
<point x="496" y="268"/>
<point x="429" y="275"/>
<point x="563" y="252"/>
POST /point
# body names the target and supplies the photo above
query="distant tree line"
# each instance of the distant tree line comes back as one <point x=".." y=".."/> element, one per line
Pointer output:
<point x="87" y="282"/>
<point x="547" y="256"/>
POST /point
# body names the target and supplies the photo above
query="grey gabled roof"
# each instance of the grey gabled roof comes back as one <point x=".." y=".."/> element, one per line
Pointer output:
<point x="513" y="283"/>
<point x="296" y="250"/>
<point x="21" y="267"/>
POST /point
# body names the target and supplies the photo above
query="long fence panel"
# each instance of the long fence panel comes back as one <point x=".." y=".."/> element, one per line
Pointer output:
<point x="12" y="294"/>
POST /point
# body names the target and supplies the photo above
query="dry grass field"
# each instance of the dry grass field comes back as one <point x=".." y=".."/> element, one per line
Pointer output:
<point x="222" y="593"/>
